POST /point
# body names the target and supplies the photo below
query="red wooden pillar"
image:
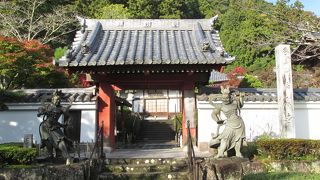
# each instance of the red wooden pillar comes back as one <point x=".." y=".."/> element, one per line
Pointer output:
<point x="188" y="110"/>
<point x="107" y="111"/>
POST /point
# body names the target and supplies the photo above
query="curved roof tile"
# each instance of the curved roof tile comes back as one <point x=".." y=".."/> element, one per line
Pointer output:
<point x="145" y="41"/>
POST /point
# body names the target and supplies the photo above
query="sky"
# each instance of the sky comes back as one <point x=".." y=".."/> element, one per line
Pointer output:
<point x="309" y="5"/>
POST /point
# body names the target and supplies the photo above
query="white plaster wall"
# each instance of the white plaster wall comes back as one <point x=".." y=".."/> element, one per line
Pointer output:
<point x="262" y="117"/>
<point x="307" y="120"/>
<point x="88" y="125"/>
<point x="137" y="105"/>
<point x="174" y="105"/>
<point x="174" y="93"/>
<point x="22" y="119"/>
<point x="15" y="124"/>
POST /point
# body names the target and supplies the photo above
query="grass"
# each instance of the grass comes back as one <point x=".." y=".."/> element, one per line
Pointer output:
<point x="282" y="175"/>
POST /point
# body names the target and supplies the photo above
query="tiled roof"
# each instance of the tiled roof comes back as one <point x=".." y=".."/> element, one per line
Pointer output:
<point x="216" y="76"/>
<point x="252" y="94"/>
<point x="145" y="42"/>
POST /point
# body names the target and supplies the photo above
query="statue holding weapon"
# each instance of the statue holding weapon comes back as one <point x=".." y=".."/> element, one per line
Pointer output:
<point x="50" y="131"/>
<point x="233" y="135"/>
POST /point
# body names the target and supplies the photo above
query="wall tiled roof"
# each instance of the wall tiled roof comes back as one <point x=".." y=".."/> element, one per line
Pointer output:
<point x="77" y="95"/>
<point x="216" y="76"/>
<point x="68" y="94"/>
<point x="252" y="94"/>
<point x="145" y="42"/>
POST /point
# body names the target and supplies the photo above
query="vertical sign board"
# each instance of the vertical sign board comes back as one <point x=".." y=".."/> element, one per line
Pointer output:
<point x="285" y="91"/>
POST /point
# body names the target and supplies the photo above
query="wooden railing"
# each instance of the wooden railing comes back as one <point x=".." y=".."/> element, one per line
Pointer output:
<point x="194" y="163"/>
<point x="191" y="154"/>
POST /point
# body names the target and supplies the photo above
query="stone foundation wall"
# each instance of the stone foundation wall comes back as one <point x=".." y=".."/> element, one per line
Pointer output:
<point x="73" y="172"/>
<point x="236" y="168"/>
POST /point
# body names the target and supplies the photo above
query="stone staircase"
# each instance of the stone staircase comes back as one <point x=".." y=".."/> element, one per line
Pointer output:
<point x="146" y="169"/>
<point x="159" y="131"/>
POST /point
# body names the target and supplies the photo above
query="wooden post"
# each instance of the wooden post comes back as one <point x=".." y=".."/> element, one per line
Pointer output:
<point x="107" y="109"/>
<point x="188" y="111"/>
<point x="285" y="91"/>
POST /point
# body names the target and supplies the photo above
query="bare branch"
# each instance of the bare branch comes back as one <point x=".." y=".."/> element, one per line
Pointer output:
<point x="25" y="21"/>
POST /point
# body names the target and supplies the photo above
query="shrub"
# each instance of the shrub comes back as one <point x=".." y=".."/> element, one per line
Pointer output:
<point x="177" y="121"/>
<point x="16" y="154"/>
<point x="289" y="149"/>
<point x="10" y="96"/>
<point x="250" y="81"/>
<point x="249" y="151"/>
<point x="132" y="123"/>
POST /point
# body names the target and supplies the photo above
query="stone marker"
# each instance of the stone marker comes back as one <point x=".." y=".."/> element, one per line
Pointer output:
<point x="285" y="91"/>
<point x="28" y="140"/>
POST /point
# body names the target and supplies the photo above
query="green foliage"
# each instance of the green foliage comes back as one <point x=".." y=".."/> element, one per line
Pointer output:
<point x="128" y="123"/>
<point x="171" y="9"/>
<point x="143" y="9"/>
<point x="59" y="52"/>
<point x="9" y="96"/>
<point x="251" y="29"/>
<point x="175" y="9"/>
<point x="298" y="68"/>
<point x="250" y="81"/>
<point x="28" y="64"/>
<point x="289" y="149"/>
<point x="15" y="154"/>
<point x="282" y="175"/>
<point x="177" y="121"/>
<point x="112" y="11"/>
<point x="245" y="33"/>
<point x="210" y="8"/>
<point x="249" y="151"/>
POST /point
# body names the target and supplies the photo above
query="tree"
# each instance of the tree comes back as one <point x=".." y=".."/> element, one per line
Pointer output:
<point x="179" y="9"/>
<point x="27" y="64"/>
<point x="210" y="8"/>
<point x="144" y="9"/>
<point x="44" y="20"/>
<point x="171" y="9"/>
<point x="250" y="81"/>
<point x="235" y="76"/>
<point x="88" y="9"/>
<point x="112" y="11"/>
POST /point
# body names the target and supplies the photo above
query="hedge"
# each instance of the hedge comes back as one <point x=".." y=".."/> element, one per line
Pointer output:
<point x="16" y="154"/>
<point x="289" y="149"/>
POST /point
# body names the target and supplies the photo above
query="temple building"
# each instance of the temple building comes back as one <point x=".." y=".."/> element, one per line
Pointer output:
<point x="158" y="56"/>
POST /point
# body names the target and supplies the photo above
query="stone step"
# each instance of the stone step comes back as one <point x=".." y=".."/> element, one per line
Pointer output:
<point x="146" y="144"/>
<point x="147" y="161"/>
<point x="145" y="168"/>
<point x="156" y="136"/>
<point x="158" y="132"/>
<point x="145" y="176"/>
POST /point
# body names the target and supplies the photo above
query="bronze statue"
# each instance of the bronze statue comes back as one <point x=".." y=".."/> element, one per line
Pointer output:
<point x="50" y="128"/>
<point x="233" y="135"/>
